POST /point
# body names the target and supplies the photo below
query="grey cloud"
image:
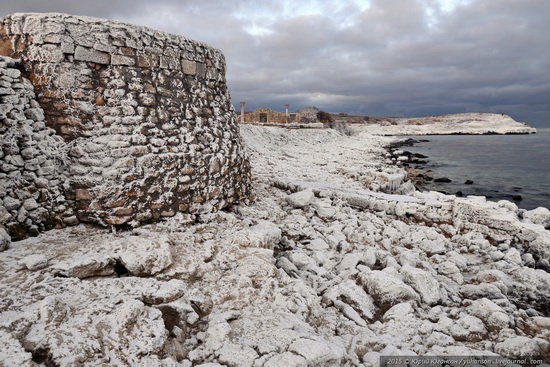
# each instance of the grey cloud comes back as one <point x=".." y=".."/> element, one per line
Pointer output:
<point x="393" y="58"/>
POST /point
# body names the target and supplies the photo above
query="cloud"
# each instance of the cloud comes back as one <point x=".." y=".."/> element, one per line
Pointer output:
<point x="374" y="57"/>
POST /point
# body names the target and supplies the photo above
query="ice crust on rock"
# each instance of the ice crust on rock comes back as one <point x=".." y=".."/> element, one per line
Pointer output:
<point x="354" y="274"/>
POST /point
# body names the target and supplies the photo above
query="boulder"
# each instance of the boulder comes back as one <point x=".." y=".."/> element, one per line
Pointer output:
<point x="34" y="262"/>
<point x="469" y="329"/>
<point x="263" y="235"/>
<point x="483" y="290"/>
<point x="300" y="199"/>
<point x="318" y="352"/>
<point x="539" y="215"/>
<point x="423" y="283"/>
<point x="523" y="347"/>
<point x="386" y="289"/>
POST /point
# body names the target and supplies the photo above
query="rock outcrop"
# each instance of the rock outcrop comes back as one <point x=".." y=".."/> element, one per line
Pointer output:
<point x="143" y="121"/>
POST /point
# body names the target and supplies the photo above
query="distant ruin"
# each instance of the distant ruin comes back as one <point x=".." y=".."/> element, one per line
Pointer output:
<point x="267" y="116"/>
<point x="112" y="123"/>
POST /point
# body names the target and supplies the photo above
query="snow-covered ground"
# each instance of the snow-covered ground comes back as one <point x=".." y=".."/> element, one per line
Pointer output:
<point x="336" y="262"/>
<point x="463" y="123"/>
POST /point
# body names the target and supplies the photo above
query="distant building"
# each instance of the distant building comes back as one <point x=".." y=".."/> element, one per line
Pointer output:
<point x="266" y="116"/>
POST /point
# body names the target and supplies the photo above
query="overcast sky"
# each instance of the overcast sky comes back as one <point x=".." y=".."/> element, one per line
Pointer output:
<point x="368" y="57"/>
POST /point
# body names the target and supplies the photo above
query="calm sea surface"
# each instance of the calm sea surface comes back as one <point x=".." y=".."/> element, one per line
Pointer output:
<point x="501" y="166"/>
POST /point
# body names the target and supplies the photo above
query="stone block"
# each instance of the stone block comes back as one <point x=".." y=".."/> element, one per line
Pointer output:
<point x="148" y="61"/>
<point x="189" y="67"/>
<point x="91" y="55"/>
<point x="67" y="47"/>
<point x="46" y="53"/>
<point x="122" y="60"/>
<point x="35" y="114"/>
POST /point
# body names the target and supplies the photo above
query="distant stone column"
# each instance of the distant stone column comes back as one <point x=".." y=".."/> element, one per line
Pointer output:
<point x="242" y="112"/>
<point x="286" y="112"/>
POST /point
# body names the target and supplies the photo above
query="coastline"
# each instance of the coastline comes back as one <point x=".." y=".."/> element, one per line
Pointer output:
<point x="338" y="261"/>
<point x="454" y="124"/>
<point x="468" y="165"/>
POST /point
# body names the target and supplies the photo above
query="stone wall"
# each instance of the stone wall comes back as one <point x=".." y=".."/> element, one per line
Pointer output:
<point x="31" y="178"/>
<point x="146" y="118"/>
<point x="265" y="116"/>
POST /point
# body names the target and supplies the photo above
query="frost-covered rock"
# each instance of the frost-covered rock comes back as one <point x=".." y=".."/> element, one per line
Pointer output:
<point x="144" y="256"/>
<point x="12" y="352"/>
<point x="263" y="235"/>
<point x="539" y="215"/>
<point x="318" y="352"/>
<point x="483" y="308"/>
<point x="522" y="347"/>
<point x="301" y="198"/>
<point x="34" y="262"/>
<point x="423" y="283"/>
<point x="483" y="290"/>
<point x="352" y="300"/>
<point x="270" y="285"/>
<point x="135" y="255"/>
<point x="5" y="239"/>
<point x="386" y="289"/>
<point x="468" y="328"/>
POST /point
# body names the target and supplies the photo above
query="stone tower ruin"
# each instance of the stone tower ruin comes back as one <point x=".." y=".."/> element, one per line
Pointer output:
<point x="136" y="124"/>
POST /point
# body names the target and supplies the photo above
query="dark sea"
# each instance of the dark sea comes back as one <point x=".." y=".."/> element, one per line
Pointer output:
<point x="506" y="167"/>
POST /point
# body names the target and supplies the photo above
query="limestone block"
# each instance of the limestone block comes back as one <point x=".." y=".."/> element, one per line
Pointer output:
<point x="148" y="61"/>
<point x="88" y="54"/>
<point x="67" y="47"/>
<point x="189" y="67"/>
<point x="122" y="60"/>
<point x="46" y="53"/>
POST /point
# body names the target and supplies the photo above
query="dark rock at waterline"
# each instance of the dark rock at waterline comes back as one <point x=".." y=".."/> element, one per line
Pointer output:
<point x="443" y="180"/>
<point x="517" y="197"/>
<point x="418" y="161"/>
<point x="459" y="194"/>
<point x="418" y="155"/>
<point x="469" y="182"/>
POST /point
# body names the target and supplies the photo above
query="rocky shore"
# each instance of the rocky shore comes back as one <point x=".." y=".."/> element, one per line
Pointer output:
<point x="339" y="260"/>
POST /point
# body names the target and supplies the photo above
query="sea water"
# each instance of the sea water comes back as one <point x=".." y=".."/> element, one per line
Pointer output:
<point x="502" y="167"/>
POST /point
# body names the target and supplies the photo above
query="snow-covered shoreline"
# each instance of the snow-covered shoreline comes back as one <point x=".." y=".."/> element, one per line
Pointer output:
<point x="453" y="124"/>
<point x="338" y="261"/>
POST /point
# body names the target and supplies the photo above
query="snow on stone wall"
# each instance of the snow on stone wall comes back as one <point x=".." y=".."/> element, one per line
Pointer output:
<point x="146" y="118"/>
<point x="31" y="194"/>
